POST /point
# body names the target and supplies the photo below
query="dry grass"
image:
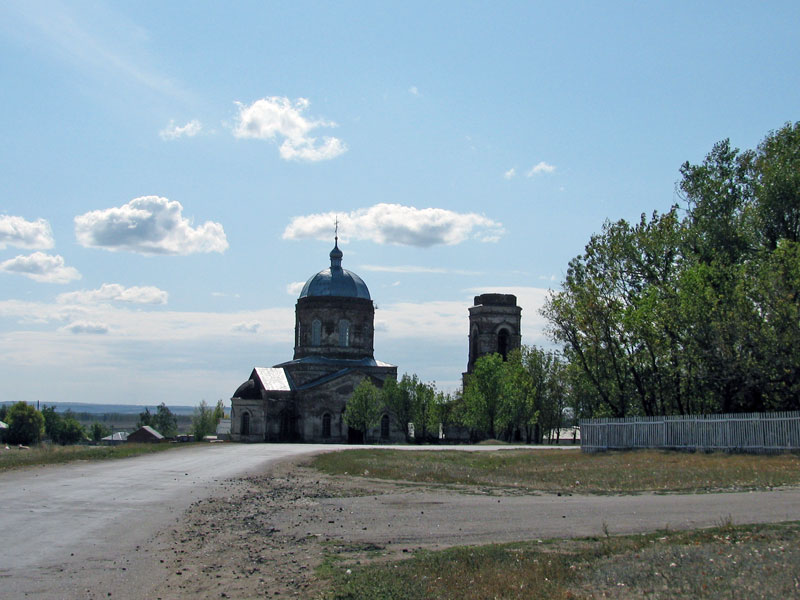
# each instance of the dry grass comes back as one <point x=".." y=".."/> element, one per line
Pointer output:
<point x="14" y="458"/>
<point x="732" y="562"/>
<point x="571" y="472"/>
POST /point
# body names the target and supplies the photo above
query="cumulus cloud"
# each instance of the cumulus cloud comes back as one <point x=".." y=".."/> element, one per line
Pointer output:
<point x="116" y="292"/>
<point x="413" y="91"/>
<point x="510" y="173"/>
<point x="278" y="118"/>
<point x="246" y="327"/>
<point x="398" y="224"/>
<point x="174" y="131"/>
<point x="90" y="327"/>
<point x="414" y="269"/>
<point x="540" y="168"/>
<point x="294" y="288"/>
<point x="42" y="267"/>
<point x="16" y="231"/>
<point x="148" y="225"/>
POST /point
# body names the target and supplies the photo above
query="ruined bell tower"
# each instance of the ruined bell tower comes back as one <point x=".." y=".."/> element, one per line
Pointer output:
<point x="494" y="326"/>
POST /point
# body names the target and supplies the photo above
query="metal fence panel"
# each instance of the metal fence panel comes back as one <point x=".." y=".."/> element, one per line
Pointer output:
<point x="740" y="432"/>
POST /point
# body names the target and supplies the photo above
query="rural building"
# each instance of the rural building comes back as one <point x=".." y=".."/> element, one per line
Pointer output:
<point x="495" y="326"/>
<point x="145" y="434"/>
<point x="120" y="437"/>
<point x="304" y="399"/>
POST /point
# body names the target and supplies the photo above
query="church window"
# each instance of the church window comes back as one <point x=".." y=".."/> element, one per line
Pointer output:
<point x="502" y="343"/>
<point x="344" y="333"/>
<point x="385" y="427"/>
<point x="326" y="425"/>
<point x="246" y="423"/>
<point x="316" y="332"/>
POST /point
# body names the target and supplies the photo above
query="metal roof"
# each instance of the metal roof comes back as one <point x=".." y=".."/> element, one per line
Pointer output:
<point x="336" y="281"/>
<point x="273" y="379"/>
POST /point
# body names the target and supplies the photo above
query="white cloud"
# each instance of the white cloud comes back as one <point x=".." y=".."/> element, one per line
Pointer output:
<point x="448" y="321"/>
<point x="294" y="288"/>
<point x="414" y="91"/>
<point x="510" y="173"/>
<point x="398" y="224"/>
<point x="247" y="327"/>
<point x="16" y="231"/>
<point x="148" y="225"/>
<point x="540" y="168"/>
<point x="414" y="269"/>
<point x="90" y="327"/>
<point x="174" y="131"/>
<point x="42" y="267"/>
<point x="116" y="292"/>
<point x="277" y="117"/>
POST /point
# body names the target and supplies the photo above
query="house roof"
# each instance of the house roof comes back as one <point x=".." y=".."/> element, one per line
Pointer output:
<point x="149" y="430"/>
<point x="273" y="379"/>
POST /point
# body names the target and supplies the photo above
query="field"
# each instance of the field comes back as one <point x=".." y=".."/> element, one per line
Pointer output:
<point x="732" y="561"/>
<point x="724" y="562"/>
<point x="570" y="471"/>
<point x="46" y="454"/>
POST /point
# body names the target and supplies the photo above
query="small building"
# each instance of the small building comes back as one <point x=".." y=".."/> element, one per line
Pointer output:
<point x="146" y="435"/>
<point x="224" y="429"/>
<point x="115" y="439"/>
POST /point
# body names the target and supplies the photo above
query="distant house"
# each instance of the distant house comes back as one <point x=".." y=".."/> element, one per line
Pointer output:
<point x="120" y="437"/>
<point x="224" y="429"/>
<point x="146" y="435"/>
<point x="3" y="430"/>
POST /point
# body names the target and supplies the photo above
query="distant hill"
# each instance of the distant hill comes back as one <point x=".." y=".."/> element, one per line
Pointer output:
<point x="119" y="409"/>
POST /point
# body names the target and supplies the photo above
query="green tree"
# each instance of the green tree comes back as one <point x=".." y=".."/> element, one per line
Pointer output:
<point x="219" y="412"/>
<point x="25" y="424"/>
<point x="203" y="422"/>
<point x="53" y="423"/>
<point x="97" y="431"/>
<point x="363" y="409"/>
<point x="692" y="314"/>
<point x="72" y="431"/>
<point x="146" y="418"/>
<point x="164" y="421"/>
<point x="483" y="395"/>
<point x="397" y="398"/>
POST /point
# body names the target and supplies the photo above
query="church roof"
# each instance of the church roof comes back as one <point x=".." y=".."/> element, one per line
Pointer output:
<point x="273" y="379"/>
<point x="336" y="281"/>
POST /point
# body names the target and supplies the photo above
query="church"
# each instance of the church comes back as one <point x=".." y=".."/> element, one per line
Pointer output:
<point x="303" y="400"/>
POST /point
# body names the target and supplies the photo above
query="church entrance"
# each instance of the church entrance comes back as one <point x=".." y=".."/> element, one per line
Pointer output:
<point x="355" y="436"/>
<point x="288" y="431"/>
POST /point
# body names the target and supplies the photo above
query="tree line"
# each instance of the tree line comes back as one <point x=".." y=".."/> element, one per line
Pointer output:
<point x="696" y="310"/>
<point x="28" y="425"/>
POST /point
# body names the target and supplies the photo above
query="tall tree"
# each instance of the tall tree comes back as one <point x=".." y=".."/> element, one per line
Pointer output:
<point x="25" y="424"/>
<point x="363" y="408"/>
<point x="483" y="395"/>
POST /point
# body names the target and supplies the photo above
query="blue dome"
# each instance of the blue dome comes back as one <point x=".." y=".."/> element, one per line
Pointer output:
<point x="336" y="281"/>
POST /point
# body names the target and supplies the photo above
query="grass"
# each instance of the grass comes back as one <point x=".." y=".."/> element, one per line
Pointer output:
<point x="54" y="455"/>
<point x="755" y="561"/>
<point x="571" y="472"/>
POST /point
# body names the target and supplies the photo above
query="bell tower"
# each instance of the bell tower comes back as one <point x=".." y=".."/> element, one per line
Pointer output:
<point x="494" y="326"/>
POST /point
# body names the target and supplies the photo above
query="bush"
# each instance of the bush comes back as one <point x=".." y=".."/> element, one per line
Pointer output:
<point x="25" y="424"/>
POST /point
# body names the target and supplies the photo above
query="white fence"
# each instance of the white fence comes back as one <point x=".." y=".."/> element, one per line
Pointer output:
<point x="742" y="432"/>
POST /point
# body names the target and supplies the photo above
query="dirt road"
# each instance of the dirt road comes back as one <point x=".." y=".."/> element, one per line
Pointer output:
<point x="176" y="525"/>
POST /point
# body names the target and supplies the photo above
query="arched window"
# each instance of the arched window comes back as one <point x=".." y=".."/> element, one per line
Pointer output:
<point x="326" y="425"/>
<point x="502" y="343"/>
<point x="316" y="332"/>
<point x="246" y="423"/>
<point x="344" y="333"/>
<point x="385" y="427"/>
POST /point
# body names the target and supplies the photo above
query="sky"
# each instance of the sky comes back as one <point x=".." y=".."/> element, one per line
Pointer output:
<point x="170" y="172"/>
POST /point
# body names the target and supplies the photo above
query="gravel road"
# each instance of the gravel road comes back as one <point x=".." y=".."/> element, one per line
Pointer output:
<point x="236" y="521"/>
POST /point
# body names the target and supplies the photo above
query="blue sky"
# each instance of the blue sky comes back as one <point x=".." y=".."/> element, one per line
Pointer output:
<point x="170" y="171"/>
